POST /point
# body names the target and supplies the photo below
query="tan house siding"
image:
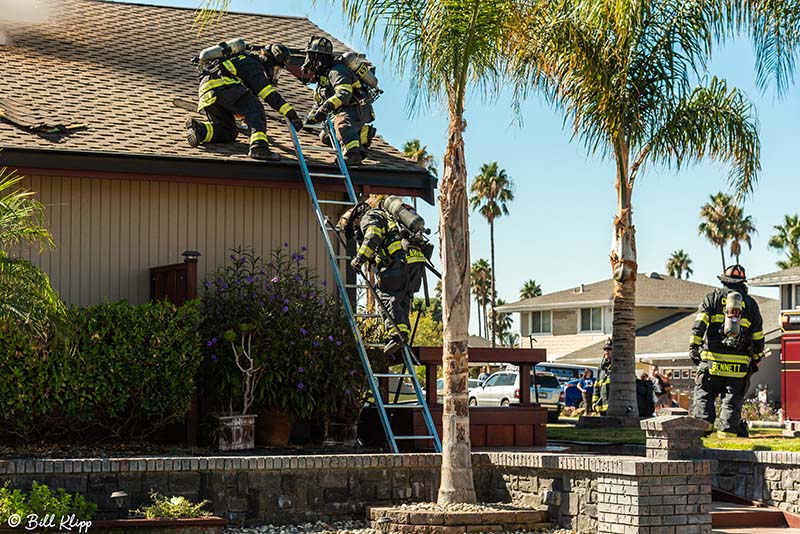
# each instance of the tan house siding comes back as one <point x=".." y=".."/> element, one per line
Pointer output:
<point x="109" y="232"/>
<point x="565" y="322"/>
<point x="524" y="323"/>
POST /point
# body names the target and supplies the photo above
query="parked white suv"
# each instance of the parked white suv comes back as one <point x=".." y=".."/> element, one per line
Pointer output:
<point x="502" y="389"/>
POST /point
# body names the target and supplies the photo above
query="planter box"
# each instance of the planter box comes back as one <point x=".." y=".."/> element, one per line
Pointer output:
<point x="203" y="525"/>
<point x="237" y="432"/>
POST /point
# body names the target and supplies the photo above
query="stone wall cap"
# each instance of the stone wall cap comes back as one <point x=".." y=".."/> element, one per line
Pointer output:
<point x="675" y="422"/>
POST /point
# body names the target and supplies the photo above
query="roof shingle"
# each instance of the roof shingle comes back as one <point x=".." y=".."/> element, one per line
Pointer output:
<point x="118" y="66"/>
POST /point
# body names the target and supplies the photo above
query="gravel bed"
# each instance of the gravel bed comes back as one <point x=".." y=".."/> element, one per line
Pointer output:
<point x="344" y="527"/>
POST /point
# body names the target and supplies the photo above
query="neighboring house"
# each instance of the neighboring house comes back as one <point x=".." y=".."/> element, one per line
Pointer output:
<point x="566" y="321"/>
<point x="128" y="193"/>
<point x="788" y="282"/>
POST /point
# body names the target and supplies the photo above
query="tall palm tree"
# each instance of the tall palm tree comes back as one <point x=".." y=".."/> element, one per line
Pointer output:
<point x="787" y="240"/>
<point x="530" y="289"/>
<point x="480" y="276"/>
<point x="26" y="296"/>
<point x="419" y="154"/>
<point x="716" y="216"/>
<point x="622" y="74"/>
<point x="740" y="229"/>
<point x="678" y="264"/>
<point x="447" y="49"/>
<point x="504" y="322"/>
<point x="492" y="190"/>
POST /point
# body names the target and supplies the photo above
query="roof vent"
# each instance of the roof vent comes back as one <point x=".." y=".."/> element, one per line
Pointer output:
<point x="580" y="289"/>
<point x="656" y="276"/>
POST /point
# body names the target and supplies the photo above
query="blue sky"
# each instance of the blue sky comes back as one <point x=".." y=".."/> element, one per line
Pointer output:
<point x="559" y="229"/>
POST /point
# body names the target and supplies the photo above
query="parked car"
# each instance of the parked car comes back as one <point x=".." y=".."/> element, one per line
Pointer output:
<point x="471" y="383"/>
<point x="565" y="372"/>
<point x="502" y="389"/>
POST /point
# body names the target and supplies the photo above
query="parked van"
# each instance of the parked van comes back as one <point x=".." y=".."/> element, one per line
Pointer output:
<point x="565" y="372"/>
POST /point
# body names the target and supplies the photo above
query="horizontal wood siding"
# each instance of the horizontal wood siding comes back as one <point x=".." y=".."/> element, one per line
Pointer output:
<point x="108" y="233"/>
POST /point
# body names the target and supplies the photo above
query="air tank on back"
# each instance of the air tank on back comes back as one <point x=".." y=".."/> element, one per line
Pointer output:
<point x="223" y="50"/>
<point x="404" y="214"/>
<point x="733" y="314"/>
<point x="361" y="67"/>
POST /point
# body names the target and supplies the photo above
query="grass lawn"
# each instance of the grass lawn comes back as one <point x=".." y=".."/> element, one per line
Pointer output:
<point x="761" y="439"/>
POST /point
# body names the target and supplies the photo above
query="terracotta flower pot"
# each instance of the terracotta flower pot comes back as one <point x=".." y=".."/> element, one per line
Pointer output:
<point x="236" y="432"/>
<point x="273" y="429"/>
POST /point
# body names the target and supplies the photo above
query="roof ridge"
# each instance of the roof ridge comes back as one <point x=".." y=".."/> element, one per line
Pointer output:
<point x="144" y="4"/>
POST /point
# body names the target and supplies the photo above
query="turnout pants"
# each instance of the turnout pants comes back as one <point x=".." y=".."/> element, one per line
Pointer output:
<point x="231" y="101"/>
<point x="352" y="128"/>
<point x="732" y="390"/>
<point x="396" y="287"/>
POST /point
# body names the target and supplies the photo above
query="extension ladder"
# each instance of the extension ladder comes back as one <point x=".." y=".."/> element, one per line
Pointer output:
<point x="336" y="260"/>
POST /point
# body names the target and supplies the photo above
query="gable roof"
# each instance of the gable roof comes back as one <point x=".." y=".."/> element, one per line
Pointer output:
<point x="664" y="291"/>
<point x="671" y="335"/>
<point x="117" y="67"/>
<point x="786" y="276"/>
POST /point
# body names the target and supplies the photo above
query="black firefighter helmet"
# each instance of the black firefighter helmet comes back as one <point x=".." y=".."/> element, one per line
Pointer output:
<point x="319" y="54"/>
<point x="733" y="275"/>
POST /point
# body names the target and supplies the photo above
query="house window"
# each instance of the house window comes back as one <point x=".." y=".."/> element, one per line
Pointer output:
<point x="541" y="322"/>
<point x="591" y="319"/>
<point x="796" y="296"/>
<point x="685" y="374"/>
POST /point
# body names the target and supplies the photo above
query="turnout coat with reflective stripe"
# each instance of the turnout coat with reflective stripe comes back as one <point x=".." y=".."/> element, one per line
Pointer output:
<point x="244" y="70"/>
<point x="725" y="360"/>
<point x="382" y="241"/>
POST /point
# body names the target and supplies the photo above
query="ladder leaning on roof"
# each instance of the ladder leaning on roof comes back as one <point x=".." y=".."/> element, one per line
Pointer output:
<point x="408" y="359"/>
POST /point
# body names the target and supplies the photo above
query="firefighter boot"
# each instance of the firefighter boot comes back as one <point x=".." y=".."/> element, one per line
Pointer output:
<point x="354" y="157"/>
<point x="195" y="132"/>
<point x="395" y="343"/>
<point x="261" y="152"/>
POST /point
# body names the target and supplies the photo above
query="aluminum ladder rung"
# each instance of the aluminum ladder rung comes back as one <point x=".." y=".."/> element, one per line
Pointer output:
<point x="337" y="202"/>
<point x="325" y="175"/>
<point x="335" y="257"/>
<point x="320" y="149"/>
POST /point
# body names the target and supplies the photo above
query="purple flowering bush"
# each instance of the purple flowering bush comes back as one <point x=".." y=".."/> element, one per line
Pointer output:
<point x="297" y="332"/>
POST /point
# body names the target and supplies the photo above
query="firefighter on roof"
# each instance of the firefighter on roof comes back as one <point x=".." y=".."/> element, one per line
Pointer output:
<point x="234" y="81"/>
<point x="344" y="95"/>
<point x="726" y="344"/>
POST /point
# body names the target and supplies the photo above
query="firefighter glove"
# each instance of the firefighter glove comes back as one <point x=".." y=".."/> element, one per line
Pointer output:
<point x="753" y="367"/>
<point x="316" y="116"/>
<point x="694" y="354"/>
<point x="357" y="263"/>
<point x="295" y="119"/>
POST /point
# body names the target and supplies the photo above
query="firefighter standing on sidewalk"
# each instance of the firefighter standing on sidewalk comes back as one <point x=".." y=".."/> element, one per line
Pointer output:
<point x="381" y="244"/>
<point x="236" y="85"/>
<point x="339" y="93"/>
<point x="727" y="344"/>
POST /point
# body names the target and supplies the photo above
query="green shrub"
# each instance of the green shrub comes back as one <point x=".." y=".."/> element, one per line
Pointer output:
<point x="128" y="370"/>
<point x="171" y="508"/>
<point x="299" y="333"/>
<point x="41" y="500"/>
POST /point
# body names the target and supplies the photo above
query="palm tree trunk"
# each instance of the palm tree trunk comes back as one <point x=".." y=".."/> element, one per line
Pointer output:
<point x="457" y="485"/>
<point x="494" y="276"/>
<point x="478" y="308"/>
<point x="722" y="253"/>
<point x="622" y="390"/>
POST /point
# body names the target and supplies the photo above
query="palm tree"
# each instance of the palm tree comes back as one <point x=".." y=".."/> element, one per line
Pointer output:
<point x="447" y="48"/>
<point x="419" y="154"/>
<point x="622" y="74"/>
<point x="787" y="240"/>
<point x="491" y="190"/>
<point x="678" y="264"/>
<point x="480" y="276"/>
<point x="530" y="289"/>
<point x="740" y="229"/>
<point x="26" y="296"/>
<point x="716" y="217"/>
<point x="504" y="322"/>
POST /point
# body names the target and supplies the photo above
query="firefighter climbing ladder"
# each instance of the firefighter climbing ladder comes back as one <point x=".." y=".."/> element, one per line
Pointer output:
<point x="339" y="261"/>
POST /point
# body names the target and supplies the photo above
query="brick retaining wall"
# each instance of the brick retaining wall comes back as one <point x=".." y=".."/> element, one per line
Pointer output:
<point x="769" y="477"/>
<point x="586" y="493"/>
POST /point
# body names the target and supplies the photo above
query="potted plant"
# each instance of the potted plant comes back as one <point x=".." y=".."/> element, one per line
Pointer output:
<point x="237" y="431"/>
